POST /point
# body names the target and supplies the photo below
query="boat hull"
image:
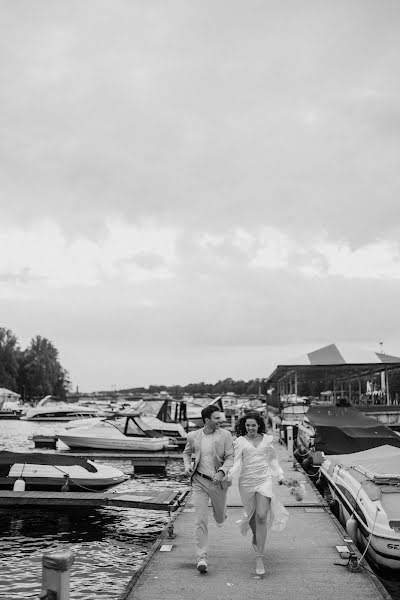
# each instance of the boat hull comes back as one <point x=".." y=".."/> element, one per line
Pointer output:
<point x="132" y="444"/>
<point x="383" y="552"/>
<point x="53" y="477"/>
<point x="56" y="483"/>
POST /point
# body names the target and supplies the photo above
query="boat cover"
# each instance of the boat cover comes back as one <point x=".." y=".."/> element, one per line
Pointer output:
<point x="343" y="430"/>
<point x="383" y="481"/>
<point x="40" y="458"/>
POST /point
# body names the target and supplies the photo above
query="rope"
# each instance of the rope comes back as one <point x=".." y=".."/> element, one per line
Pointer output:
<point x="370" y="537"/>
<point x="73" y="480"/>
<point x="305" y="453"/>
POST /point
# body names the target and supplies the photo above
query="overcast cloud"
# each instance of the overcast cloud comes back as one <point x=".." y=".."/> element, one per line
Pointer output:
<point x="193" y="191"/>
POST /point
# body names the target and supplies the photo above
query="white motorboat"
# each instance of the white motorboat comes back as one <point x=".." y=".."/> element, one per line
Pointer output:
<point x="127" y="432"/>
<point x="365" y="488"/>
<point x="162" y="415"/>
<point x="48" y="409"/>
<point x="40" y="471"/>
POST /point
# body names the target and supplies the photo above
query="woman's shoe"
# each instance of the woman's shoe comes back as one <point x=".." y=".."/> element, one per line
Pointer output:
<point x="260" y="565"/>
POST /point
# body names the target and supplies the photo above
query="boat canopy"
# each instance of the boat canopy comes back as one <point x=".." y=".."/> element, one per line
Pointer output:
<point x="343" y="430"/>
<point x="40" y="458"/>
<point x="378" y="472"/>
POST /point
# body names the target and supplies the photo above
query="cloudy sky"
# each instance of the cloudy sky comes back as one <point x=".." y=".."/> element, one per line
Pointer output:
<point x="197" y="190"/>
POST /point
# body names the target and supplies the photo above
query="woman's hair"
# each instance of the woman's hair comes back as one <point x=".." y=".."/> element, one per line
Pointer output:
<point x="240" y="427"/>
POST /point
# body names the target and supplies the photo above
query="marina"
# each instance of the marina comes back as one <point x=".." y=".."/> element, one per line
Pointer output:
<point x="313" y="533"/>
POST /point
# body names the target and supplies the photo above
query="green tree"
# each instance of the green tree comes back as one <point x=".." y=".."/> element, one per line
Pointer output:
<point x="41" y="372"/>
<point x="9" y="359"/>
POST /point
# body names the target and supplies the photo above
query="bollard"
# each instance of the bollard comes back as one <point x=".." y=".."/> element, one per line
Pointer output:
<point x="170" y="531"/>
<point x="56" y="568"/>
<point x="289" y="432"/>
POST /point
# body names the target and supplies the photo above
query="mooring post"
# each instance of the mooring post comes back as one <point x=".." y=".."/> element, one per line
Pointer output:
<point x="56" y="568"/>
<point x="289" y="432"/>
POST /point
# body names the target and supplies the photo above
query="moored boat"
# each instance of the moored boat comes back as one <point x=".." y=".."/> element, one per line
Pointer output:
<point x="48" y="409"/>
<point x="341" y="430"/>
<point x="40" y="471"/>
<point x="127" y="432"/>
<point x="365" y="489"/>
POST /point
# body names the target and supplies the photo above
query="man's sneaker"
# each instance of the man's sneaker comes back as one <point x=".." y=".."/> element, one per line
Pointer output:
<point x="202" y="565"/>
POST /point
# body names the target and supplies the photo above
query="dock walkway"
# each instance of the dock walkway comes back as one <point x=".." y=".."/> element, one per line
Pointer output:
<point x="301" y="562"/>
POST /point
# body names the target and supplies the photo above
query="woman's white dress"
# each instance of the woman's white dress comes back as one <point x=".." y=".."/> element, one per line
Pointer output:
<point x="256" y="467"/>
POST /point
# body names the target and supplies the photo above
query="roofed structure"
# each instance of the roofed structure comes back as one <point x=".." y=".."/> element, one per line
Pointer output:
<point x="334" y="366"/>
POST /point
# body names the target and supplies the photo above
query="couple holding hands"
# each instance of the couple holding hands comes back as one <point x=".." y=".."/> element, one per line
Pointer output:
<point x="216" y="459"/>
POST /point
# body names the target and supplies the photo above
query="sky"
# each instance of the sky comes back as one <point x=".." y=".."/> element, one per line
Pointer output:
<point x="191" y="191"/>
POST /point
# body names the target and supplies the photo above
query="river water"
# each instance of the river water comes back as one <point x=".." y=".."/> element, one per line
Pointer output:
<point x="108" y="544"/>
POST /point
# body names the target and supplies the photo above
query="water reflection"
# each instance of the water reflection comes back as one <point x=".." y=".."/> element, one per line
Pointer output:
<point x="109" y="544"/>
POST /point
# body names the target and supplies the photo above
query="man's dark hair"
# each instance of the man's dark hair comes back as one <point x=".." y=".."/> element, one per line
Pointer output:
<point x="208" y="411"/>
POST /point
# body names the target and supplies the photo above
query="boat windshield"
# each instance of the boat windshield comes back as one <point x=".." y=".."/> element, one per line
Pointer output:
<point x="151" y="407"/>
<point x="203" y="402"/>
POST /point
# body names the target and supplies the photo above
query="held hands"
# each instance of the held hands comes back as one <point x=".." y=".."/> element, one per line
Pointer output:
<point x="218" y="477"/>
<point x="188" y="472"/>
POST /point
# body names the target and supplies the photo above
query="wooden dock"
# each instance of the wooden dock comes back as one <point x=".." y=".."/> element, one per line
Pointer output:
<point x="301" y="562"/>
<point x="166" y="500"/>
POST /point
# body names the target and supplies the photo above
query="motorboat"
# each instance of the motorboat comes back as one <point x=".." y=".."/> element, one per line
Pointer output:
<point x="164" y="415"/>
<point x="10" y="410"/>
<point x="127" y="432"/>
<point x="48" y="409"/>
<point x="341" y="430"/>
<point x="10" y="404"/>
<point x="365" y="489"/>
<point x="45" y="471"/>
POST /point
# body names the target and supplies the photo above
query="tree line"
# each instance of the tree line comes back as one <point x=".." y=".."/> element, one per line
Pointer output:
<point x="34" y="372"/>
<point x="240" y="387"/>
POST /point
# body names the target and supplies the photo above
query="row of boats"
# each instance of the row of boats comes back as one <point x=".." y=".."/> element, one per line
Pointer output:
<point x="155" y="426"/>
<point x="356" y="459"/>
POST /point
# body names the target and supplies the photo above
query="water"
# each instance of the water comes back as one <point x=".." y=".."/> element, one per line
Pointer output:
<point x="108" y="544"/>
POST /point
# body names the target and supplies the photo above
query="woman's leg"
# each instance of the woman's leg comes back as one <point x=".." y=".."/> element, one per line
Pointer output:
<point x="262" y="507"/>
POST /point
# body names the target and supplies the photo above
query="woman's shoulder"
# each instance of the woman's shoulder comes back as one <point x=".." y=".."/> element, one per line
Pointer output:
<point x="238" y="441"/>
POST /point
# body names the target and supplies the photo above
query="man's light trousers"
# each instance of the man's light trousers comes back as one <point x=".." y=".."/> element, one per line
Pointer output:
<point x="203" y="491"/>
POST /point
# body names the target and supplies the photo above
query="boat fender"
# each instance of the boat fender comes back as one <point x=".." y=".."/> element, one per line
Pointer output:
<point x="334" y="507"/>
<point x="19" y="485"/>
<point x="351" y="528"/>
<point x="319" y="484"/>
<point x="317" y="458"/>
<point x="309" y="467"/>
